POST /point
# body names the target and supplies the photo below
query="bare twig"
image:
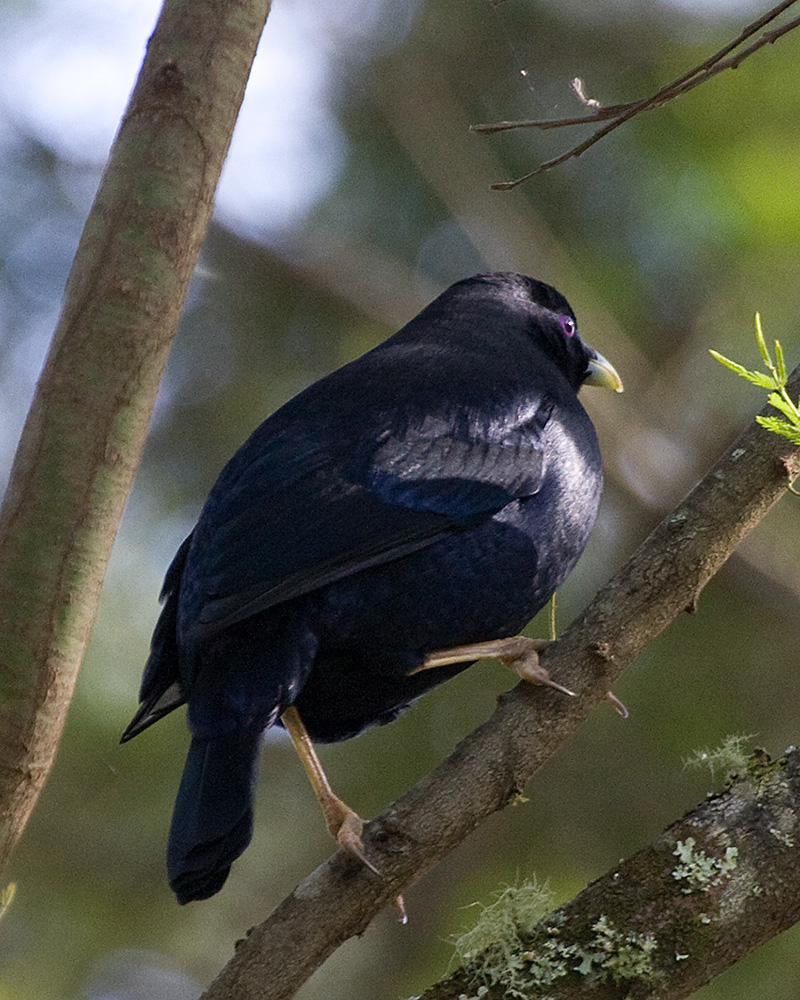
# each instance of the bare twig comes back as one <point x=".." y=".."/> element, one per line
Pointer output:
<point x="492" y="765"/>
<point x="621" y="113"/>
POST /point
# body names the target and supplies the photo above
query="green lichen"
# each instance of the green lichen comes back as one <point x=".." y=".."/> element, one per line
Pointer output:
<point x="493" y="947"/>
<point x="701" y="871"/>
<point x="616" y="953"/>
<point x="512" y="947"/>
<point x="785" y="838"/>
<point x="501" y="925"/>
<point x="729" y="759"/>
<point x="785" y="826"/>
<point x="552" y="959"/>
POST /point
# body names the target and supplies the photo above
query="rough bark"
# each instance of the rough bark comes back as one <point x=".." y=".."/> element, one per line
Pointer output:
<point x="84" y="434"/>
<point x="712" y="887"/>
<point x="492" y="765"/>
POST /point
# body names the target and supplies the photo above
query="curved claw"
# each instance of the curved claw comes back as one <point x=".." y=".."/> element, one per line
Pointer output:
<point x="524" y="661"/>
<point x="348" y="836"/>
<point x="619" y="706"/>
<point x="538" y="675"/>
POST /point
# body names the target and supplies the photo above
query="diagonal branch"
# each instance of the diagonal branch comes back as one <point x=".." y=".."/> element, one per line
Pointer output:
<point x="492" y="765"/>
<point x="621" y="113"/>
<point x="86" y="427"/>
<point x="719" y="882"/>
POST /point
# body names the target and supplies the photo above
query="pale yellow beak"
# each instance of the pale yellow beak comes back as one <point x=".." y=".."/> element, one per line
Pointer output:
<point x="603" y="373"/>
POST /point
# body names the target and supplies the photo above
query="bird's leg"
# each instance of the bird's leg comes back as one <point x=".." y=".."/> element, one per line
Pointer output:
<point x="344" y="824"/>
<point x="519" y="653"/>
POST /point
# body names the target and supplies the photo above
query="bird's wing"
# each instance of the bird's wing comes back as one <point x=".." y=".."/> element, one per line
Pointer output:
<point x="289" y="525"/>
<point x="457" y="476"/>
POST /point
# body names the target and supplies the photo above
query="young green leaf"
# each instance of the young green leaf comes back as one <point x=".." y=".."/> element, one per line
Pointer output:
<point x="762" y="344"/>
<point x="764" y="381"/>
<point x="775" y="383"/>
<point x="781" y="365"/>
<point x="778" y="426"/>
<point x="785" y="406"/>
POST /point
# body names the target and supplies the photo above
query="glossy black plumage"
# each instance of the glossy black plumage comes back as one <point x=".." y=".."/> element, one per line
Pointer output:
<point x="434" y="492"/>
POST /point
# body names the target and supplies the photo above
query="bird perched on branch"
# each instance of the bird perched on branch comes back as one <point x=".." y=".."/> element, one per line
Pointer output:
<point x="371" y="539"/>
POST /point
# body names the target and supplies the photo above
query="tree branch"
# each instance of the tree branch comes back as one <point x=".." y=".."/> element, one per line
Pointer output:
<point x="84" y="433"/>
<point x="621" y="113"/>
<point x="492" y="765"/>
<point x="714" y="886"/>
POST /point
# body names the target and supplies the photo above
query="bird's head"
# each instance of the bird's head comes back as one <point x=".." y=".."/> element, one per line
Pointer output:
<point x="553" y="326"/>
<point x="536" y="310"/>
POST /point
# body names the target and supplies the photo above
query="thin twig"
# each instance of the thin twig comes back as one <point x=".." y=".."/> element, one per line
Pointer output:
<point x="621" y="113"/>
<point x="611" y="111"/>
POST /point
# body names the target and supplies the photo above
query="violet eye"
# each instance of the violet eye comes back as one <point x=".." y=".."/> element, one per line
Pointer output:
<point x="567" y="325"/>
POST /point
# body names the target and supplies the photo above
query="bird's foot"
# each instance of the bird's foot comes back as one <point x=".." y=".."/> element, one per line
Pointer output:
<point x="346" y="827"/>
<point x="524" y="661"/>
<point x="519" y="653"/>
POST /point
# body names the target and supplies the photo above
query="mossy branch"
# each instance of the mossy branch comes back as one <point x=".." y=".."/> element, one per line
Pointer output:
<point x="491" y="766"/>
<point x="712" y="887"/>
<point x="84" y="434"/>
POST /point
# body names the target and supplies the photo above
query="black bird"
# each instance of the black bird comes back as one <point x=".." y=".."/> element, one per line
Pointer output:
<point x="431" y="494"/>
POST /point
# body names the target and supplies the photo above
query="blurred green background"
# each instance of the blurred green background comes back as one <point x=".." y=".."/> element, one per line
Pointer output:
<point x="355" y="193"/>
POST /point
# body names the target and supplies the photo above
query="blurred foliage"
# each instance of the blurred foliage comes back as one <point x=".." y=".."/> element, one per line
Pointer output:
<point x="666" y="238"/>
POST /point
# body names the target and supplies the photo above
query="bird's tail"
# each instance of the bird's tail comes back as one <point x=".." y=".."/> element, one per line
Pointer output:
<point x="161" y="689"/>
<point x="213" y="819"/>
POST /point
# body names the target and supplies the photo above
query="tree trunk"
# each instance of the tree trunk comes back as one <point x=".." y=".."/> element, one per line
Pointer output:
<point x="84" y="434"/>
